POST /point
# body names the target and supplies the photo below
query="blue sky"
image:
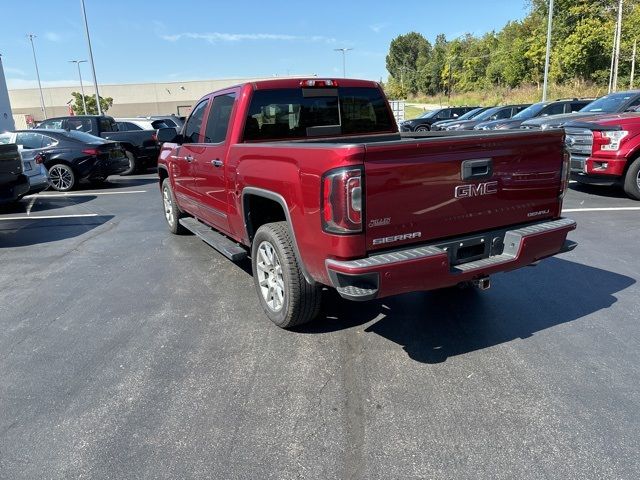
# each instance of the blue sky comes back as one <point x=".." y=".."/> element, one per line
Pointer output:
<point x="159" y="41"/>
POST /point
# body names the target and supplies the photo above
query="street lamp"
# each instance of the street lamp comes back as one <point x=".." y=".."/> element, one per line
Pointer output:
<point x="344" y="59"/>
<point x="31" y="36"/>
<point x="547" y="53"/>
<point x="78" y="62"/>
<point x="93" y="67"/>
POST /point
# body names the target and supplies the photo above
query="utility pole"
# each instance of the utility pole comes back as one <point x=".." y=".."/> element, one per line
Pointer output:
<point x="93" y="67"/>
<point x="344" y="59"/>
<point x="548" y="53"/>
<point x="633" y="65"/>
<point x="614" y="82"/>
<point x="84" y="103"/>
<point x="31" y="36"/>
<point x="449" y="86"/>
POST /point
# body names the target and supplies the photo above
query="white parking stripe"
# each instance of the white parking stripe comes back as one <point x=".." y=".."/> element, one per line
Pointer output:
<point x="83" y="194"/>
<point x="602" y="209"/>
<point x="39" y="217"/>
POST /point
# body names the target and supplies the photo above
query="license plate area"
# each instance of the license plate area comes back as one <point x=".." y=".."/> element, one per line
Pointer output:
<point x="471" y="249"/>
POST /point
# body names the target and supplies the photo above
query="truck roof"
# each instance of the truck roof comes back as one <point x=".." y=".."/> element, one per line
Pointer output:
<point x="296" y="82"/>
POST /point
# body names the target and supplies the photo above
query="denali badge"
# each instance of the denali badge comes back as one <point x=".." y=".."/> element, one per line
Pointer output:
<point x="380" y="222"/>
<point x="470" y="190"/>
<point x="396" y="238"/>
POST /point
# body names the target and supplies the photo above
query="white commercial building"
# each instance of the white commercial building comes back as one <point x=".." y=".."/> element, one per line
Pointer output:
<point x="6" y="117"/>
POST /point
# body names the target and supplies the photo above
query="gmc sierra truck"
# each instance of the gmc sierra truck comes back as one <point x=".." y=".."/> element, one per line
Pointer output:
<point x="605" y="150"/>
<point x="312" y="179"/>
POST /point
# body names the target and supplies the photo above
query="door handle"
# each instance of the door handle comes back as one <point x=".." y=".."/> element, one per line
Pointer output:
<point x="216" y="163"/>
<point x="189" y="158"/>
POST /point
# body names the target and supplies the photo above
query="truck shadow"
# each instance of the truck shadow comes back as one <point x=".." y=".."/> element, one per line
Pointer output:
<point x="613" y="191"/>
<point x="21" y="233"/>
<point x="433" y="326"/>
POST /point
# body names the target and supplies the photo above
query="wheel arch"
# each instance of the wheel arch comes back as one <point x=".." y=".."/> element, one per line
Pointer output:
<point x="251" y="195"/>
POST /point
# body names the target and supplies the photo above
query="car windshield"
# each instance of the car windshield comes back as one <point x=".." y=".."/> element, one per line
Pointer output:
<point x="530" y="112"/>
<point x="429" y="114"/>
<point x="84" y="137"/>
<point x="610" y="103"/>
<point x="487" y="113"/>
<point x="471" y="114"/>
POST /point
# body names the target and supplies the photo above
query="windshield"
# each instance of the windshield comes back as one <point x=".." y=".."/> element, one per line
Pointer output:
<point x="610" y="103"/>
<point x="429" y="114"/>
<point x="487" y="113"/>
<point x="529" y="112"/>
<point x="84" y="137"/>
<point x="471" y="114"/>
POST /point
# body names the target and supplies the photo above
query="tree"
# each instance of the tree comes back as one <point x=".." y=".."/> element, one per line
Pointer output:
<point x="92" y="109"/>
<point x="402" y="61"/>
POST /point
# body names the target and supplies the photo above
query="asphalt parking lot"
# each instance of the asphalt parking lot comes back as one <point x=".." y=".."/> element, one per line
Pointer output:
<point x="127" y="352"/>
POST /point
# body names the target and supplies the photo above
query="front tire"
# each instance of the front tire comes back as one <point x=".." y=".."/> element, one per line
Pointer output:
<point x="286" y="297"/>
<point x="62" y="177"/>
<point x="422" y="128"/>
<point x="172" y="213"/>
<point x="133" y="164"/>
<point x="632" y="180"/>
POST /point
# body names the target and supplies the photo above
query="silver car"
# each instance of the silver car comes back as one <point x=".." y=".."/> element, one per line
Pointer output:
<point x="32" y="165"/>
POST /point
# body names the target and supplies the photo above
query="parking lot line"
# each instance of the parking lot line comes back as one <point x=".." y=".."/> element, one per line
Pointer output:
<point x="82" y="194"/>
<point x="40" y="217"/>
<point x="600" y="209"/>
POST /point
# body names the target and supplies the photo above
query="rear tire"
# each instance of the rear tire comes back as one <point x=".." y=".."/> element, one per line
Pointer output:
<point x="62" y="177"/>
<point x="172" y="213"/>
<point x="632" y="180"/>
<point x="422" y="128"/>
<point x="286" y="297"/>
<point x="133" y="164"/>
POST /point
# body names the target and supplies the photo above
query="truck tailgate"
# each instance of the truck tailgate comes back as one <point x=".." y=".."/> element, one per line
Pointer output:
<point x="425" y="189"/>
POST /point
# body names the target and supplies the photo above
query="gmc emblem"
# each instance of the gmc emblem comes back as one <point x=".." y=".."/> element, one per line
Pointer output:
<point x="470" y="190"/>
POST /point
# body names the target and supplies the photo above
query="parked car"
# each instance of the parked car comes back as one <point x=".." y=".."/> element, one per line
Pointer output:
<point x="494" y="113"/>
<point x="137" y="124"/>
<point x="312" y="177"/>
<point x="441" y="124"/>
<point x="423" y="122"/>
<point x="170" y="120"/>
<point x="71" y="156"/>
<point x="140" y="147"/>
<point x="617" y="102"/>
<point x="14" y="184"/>
<point x="32" y="164"/>
<point x="540" y="109"/>
<point x="605" y="150"/>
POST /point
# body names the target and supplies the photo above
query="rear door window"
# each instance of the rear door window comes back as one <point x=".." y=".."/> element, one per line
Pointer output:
<point x="28" y="140"/>
<point x="553" y="109"/>
<point x="79" y="124"/>
<point x="297" y="113"/>
<point x="576" y="106"/>
<point x="55" y="123"/>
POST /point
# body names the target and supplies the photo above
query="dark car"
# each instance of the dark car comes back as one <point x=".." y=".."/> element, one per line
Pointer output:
<point x="441" y="124"/>
<point x="617" y="102"/>
<point x="170" y="120"/>
<point x="494" y="113"/>
<point x="540" y="109"/>
<point x="423" y="122"/>
<point x="72" y="156"/>
<point x="13" y="182"/>
<point x="140" y="146"/>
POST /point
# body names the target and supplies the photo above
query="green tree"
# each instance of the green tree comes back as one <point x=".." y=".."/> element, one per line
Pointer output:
<point x="92" y="109"/>
<point x="405" y="53"/>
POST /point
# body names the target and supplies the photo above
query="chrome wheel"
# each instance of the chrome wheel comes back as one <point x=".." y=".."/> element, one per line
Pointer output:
<point x="61" y="177"/>
<point x="270" y="279"/>
<point x="168" y="206"/>
<point x="638" y="179"/>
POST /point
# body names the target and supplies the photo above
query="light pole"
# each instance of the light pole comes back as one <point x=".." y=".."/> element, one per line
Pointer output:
<point x="614" y="82"/>
<point x="31" y="36"/>
<point x="78" y="62"/>
<point x="548" y="53"/>
<point x="93" y="67"/>
<point x="344" y="59"/>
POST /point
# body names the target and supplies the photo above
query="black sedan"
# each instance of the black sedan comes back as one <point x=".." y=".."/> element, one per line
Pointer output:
<point x="540" y="109"/>
<point x="494" y="113"/>
<point x="423" y="122"/>
<point x="71" y="156"/>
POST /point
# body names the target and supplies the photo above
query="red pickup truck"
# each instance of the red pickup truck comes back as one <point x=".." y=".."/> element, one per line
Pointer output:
<point x="312" y="179"/>
<point x="605" y="150"/>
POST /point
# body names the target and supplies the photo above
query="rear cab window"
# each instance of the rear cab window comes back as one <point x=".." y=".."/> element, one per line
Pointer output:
<point x="298" y="113"/>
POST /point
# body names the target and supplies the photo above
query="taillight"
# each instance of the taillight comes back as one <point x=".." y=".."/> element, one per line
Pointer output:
<point x="90" y="151"/>
<point x="342" y="201"/>
<point x="564" y="176"/>
<point x="39" y="159"/>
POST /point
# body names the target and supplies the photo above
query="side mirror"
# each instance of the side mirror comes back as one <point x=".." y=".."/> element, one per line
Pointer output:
<point x="168" y="135"/>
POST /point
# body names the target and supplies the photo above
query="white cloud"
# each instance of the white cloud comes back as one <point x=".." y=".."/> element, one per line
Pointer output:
<point x="377" y="27"/>
<point x="53" y="36"/>
<point x="214" y="37"/>
<point x="18" y="83"/>
<point x="14" y="71"/>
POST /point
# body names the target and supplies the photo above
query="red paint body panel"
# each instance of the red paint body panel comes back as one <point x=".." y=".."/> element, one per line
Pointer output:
<point x="410" y="181"/>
